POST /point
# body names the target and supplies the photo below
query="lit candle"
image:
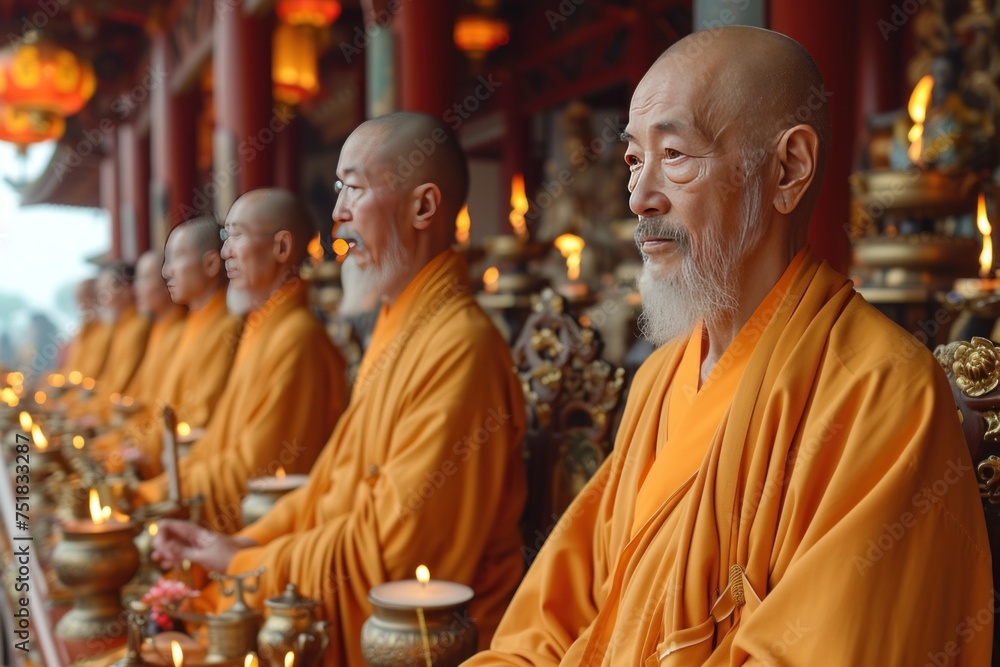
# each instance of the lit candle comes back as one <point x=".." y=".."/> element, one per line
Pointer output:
<point x="518" y="207"/>
<point x="183" y="429"/>
<point x="75" y="378"/>
<point x="290" y="659"/>
<point x="41" y="443"/>
<point x="8" y="396"/>
<point x="490" y="279"/>
<point x="78" y="441"/>
<point x="281" y="482"/>
<point x="176" y="653"/>
<point x="14" y="378"/>
<point x="40" y="397"/>
<point x="413" y="593"/>
<point x="25" y="420"/>
<point x="462" y="225"/>
<point x="251" y="660"/>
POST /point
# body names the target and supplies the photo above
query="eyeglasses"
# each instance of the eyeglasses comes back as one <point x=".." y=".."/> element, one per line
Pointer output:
<point x="226" y="235"/>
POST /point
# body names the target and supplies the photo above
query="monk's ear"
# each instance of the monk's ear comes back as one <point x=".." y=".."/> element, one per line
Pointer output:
<point x="426" y="203"/>
<point x="798" y="158"/>
<point x="283" y="246"/>
<point x="211" y="262"/>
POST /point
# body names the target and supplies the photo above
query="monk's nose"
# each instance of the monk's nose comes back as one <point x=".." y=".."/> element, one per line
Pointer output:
<point x="648" y="198"/>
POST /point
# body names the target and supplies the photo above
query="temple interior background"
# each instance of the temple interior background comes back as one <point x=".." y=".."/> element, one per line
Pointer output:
<point x="162" y="110"/>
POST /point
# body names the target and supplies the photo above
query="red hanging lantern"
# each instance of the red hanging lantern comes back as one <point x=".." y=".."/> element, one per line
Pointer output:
<point x="478" y="34"/>
<point x="41" y="76"/>
<point x="293" y="70"/>
<point x="317" y="13"/>
<point x="22" y="127"/>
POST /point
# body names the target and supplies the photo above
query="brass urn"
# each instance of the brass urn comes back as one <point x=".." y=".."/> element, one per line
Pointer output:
<point x="290" y="626"/>
<point x="94" y="561"/>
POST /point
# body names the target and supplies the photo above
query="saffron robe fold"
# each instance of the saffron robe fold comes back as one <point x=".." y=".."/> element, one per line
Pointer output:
<point x="424" y="467"/>
<point x="89" y="350"/>
<point x="192" y="383"/>
<point x="285" y="392"/>
<point x="838" y="482"/>
<point x="126" y="348"/>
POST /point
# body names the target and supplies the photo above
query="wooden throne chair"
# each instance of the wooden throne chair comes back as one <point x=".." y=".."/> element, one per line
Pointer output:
<point x="573" y="398"/>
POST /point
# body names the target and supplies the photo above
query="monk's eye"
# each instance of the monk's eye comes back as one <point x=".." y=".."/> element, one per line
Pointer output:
<point x="673" y="154"/>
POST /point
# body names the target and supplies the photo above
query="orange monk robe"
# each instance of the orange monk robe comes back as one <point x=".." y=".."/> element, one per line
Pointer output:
<point x="125" y="352"/>
<point x="285" y="392"/>
<point x="194" y="380"/>
<point x="161" y="347"/>
<point x="89" y="350"/>
<point x="838" y="482"/>
<point x="424" y="467"/>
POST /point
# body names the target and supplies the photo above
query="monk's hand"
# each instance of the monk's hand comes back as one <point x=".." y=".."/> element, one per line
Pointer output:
<point x="172" y="539"/>
<point x="214" y="551"/>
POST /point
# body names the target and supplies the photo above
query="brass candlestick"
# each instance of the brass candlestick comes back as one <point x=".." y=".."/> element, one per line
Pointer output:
<point x="94" y="561"/>
<point x="233" y="633"/>
<point x="291" y="626"/>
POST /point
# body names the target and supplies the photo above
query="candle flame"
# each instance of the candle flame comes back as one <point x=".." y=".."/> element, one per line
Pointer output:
<point x="176" y="653"/>
<point x="340" y="247"/>
<point x="423" y="574"/>
<point x="280" y="473"/>
<point x="315" y="249"/>
<point x="25" y="420"/>
<point x="15" y="378"/>
<point x="571" y="247"/>
<point x="38" y="437"/>
<point x="250" y="660"/>
<point x="98" y="514"/>
<point x="153" y="529"/>
<point x="88" y="383"/>
<point x="490" y="278"/>
<point x="78" y="441"/>
<point x="57" y="380"/>
<point x="8" y="396"/>
<point x="183" y="429"/>
<point x="290" y="659"/>
<point x="920" y="100"/>
<point x="75" y="377"/>
<point x="983" y="223"/>
<point x="519" y="206"/>
<point x="40" y="397"/>
<point x="462" y="225"/>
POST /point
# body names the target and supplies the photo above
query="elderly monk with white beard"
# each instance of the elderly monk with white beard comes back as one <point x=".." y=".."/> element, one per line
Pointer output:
<point x="769" y="500"/>
<point x="425" y="465"/>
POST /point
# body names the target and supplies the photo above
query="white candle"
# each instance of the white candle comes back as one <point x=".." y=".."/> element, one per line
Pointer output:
<point x="286" y="483"/>
<point x="411" y="594"/>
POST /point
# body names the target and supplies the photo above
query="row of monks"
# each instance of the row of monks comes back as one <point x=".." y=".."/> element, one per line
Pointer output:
<point x="789" y="483"/>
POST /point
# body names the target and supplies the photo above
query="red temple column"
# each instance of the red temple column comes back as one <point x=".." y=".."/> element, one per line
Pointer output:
<point x="109" y="195"/>
<point x="879" y="69"/>
<point x="287" y="156"/>
<point x="173" y="142"/>
<point x="426" y="55"/>
<point x="133" y="195"/>
<point x="246" y="121"/>
<point x="824" y="29"/>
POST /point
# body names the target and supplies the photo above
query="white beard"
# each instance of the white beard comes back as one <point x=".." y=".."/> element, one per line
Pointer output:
<point x="238" y="302"/>
<point x="704" y="287"/>
<point x="364" y="287"/>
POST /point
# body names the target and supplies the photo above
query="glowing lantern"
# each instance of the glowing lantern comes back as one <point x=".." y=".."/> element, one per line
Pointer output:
<point x="478" y="34"/>
<point x="40" y="76"/>
<point x="317" y="13"/>
<point x="293" y="69"/>
<point x="23" y="126"/>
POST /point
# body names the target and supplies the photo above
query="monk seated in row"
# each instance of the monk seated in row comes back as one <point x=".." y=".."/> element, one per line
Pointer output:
<point x="88" y="350"/>
<point x="425" y="465"/>
<point x="789" y="484"/>
<point x="198" y="364"/>
<point x="286" y="389"/>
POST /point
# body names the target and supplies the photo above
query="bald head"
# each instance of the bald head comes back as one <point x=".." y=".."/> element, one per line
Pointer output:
<point x="757" y="81"/>
<point x="151" y="297"/>
<point x="203" y="233"/>
<point x="272" y="210"/>
<point x="415" y="148"/>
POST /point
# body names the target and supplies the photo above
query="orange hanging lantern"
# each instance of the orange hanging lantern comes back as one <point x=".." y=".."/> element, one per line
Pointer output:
<point x="478" y="34"/>
<point x="40" y="76"/>
<point x="316" y="13"/>
<point x="293" y="68"/>
<point x="23" y="127"/>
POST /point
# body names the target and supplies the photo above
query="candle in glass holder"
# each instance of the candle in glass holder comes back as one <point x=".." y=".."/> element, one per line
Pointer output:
<point x="264" y="492"/>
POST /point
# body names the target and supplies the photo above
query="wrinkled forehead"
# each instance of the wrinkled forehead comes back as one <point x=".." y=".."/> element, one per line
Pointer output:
<point x="685" y="91"/>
